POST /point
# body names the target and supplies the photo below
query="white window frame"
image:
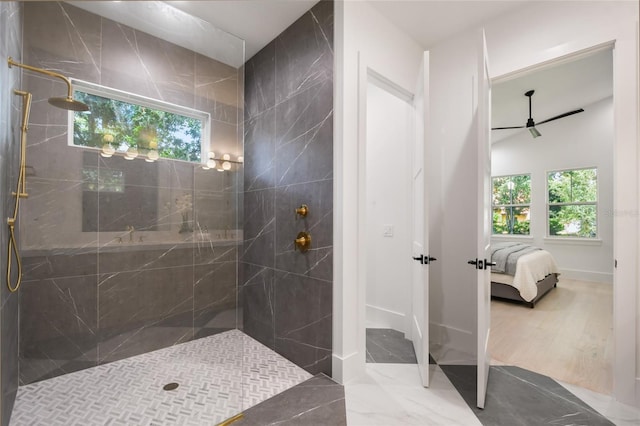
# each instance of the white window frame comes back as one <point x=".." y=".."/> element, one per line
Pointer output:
<point x="132" y="98"/>
<point x="510" y="235"/>
<point x="596" y="203"/>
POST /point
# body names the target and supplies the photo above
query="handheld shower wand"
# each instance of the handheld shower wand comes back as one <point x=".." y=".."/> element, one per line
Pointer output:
<point x="67" y="103"/>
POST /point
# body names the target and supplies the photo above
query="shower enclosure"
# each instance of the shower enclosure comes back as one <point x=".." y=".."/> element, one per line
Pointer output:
<point x="129" y="235"/>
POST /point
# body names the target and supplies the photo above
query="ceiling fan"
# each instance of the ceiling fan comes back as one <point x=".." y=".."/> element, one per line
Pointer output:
<point x="531" y="125"/>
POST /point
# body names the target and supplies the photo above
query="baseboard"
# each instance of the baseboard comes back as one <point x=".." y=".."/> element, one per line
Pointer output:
<point x="385" y="318"/>
<point x="347" y="368"/>
<point x="592" y="276"/>
<point x="452" y="346"/>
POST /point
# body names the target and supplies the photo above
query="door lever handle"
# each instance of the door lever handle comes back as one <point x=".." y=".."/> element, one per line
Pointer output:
<point x="473" y="262"/>
<point x="419" y="259"/>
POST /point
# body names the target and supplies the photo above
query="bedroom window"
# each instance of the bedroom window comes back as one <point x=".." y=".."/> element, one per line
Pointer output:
<point x="573" y="203"/>
<point x="136" y="126"/>
<point x="511" y="204"/>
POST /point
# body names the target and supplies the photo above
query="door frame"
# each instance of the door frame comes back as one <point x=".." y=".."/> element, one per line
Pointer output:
<point x="367" y="73"/>
<point x="626" y="387"/>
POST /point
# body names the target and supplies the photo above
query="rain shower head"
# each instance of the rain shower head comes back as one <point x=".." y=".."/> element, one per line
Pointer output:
<point x="67" y="103"/>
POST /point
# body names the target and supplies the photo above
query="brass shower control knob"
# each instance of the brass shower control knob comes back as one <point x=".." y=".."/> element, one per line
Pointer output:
<point x="302" y="242"/>
<point x="303" y="210"/>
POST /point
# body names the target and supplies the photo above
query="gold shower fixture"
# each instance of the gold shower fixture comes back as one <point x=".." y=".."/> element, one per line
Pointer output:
<point x="67" y="103"/>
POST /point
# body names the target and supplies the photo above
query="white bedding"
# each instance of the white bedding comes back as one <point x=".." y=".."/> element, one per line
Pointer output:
<point x="530" y="269"/>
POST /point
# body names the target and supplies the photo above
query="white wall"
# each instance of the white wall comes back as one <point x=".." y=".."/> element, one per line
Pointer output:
<point x="584" y="140"/>
<point x="567" y="27"/>
<point x="360" y="32"/>
<point x="388" y="183"/>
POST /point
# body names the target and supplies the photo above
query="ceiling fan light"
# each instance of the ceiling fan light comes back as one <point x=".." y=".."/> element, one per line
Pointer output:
<point x="534" y="132"/>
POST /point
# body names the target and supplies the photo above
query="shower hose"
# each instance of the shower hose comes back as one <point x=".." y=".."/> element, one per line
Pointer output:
<point x="21" y="192"/>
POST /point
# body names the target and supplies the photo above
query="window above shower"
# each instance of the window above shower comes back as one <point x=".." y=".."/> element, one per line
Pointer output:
<point x="122" y="123"/>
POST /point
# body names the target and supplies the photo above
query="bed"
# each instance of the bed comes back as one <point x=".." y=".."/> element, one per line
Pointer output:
<point x="522" y="273"/>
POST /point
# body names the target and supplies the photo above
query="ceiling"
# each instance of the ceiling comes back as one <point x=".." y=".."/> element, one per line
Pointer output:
<point x="427" y="21"/>
<point x="558" y="89"/>
<point x="257" y="22"/>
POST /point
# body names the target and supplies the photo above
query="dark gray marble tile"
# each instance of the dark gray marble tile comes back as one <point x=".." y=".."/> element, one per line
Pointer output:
<point x="216" y="89"/>
<point x="129" y="257"/>
<point x="260" y="151"/>
<point x="58" y="324"/>
<point x="317" y="401"/>
<point x="258" y="303"/>
<point x="216" y="211"/>
<point x="51" y="214"/>
<point x="132" y="303"/>
<point x="318" y="261"/>
<point x="205" y="253"/>
<point x="64" y="38"/>
<point x="225" y="137"/>
<point x="48" y="153"/>
<point x="300" y="332"/>
<point x="385" y="345"/>
<point x="57" y="265"/>
<point x="304" y="136"/>
<point x="520" y="397"/>
<point x="169" y="331"/>
<point x="215" y="286"/>
<point x="259" y="227"/>
<point x="304" y="52"/>
<point x="130" y="62"/>
<point x="259" y="81"/>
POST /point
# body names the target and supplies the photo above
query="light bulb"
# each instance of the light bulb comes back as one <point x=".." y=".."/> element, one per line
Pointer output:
<point x="240" y="159"/>
<point x="153" y="155"/>
<point x="107" y="150"/>
<point x="211" y="164"/>
<point x="226" y="165"/>
<point x="226" y="157"/>
<point x="131" y="153"/>
<point x="212" y="155"/>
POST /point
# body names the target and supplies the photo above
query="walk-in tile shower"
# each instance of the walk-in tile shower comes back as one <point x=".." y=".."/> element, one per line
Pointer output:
<point x="140" y="268"/>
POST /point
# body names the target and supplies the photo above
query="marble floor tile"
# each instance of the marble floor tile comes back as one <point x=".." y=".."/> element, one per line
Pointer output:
<point x="385" y="345"/>
<point x="618" y="413"/>
<point x="392" y="394"/>
<point x="516" y="396"/>
<point x="218" y="377"/>
<point x="317" y="401"/>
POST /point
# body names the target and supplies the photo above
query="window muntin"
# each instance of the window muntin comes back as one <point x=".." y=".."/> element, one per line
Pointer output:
<point x="124" y="122"/>
<point x="572" y="209"/>
<point x="511" y="204"/>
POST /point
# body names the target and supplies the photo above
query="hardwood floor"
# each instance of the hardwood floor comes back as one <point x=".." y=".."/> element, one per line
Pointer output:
<point x="568" y="335"/>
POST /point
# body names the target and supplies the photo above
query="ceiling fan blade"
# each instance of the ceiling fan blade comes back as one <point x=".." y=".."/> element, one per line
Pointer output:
<point x="504" y="128"/>
<point x="566" y="114"/>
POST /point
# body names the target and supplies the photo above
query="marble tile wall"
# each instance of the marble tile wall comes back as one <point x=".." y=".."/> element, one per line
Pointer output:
<point x="93" y="291"/>
<point x="287" y="295"/>
<point x="10" y="107"/>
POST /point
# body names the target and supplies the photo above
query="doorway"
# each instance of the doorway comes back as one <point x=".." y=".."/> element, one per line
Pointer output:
<point x="389" y="126"/>
<point x="568" y="335"/>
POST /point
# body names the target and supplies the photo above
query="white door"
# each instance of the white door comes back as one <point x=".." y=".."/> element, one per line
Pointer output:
<point x="484" y="221"/>
<point x="420" y="229"/>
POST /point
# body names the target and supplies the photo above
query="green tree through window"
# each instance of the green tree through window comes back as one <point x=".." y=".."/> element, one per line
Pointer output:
<point x="124" y="125"/>
<point x="573" y="196"/>
<point x="511" y="204"/>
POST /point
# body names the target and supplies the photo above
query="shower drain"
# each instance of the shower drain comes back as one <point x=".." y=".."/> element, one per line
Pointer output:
<point x="170" y="386"/>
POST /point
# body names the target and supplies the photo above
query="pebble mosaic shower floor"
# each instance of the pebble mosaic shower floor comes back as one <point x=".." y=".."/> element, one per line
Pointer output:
<point x="218" y="377"/>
